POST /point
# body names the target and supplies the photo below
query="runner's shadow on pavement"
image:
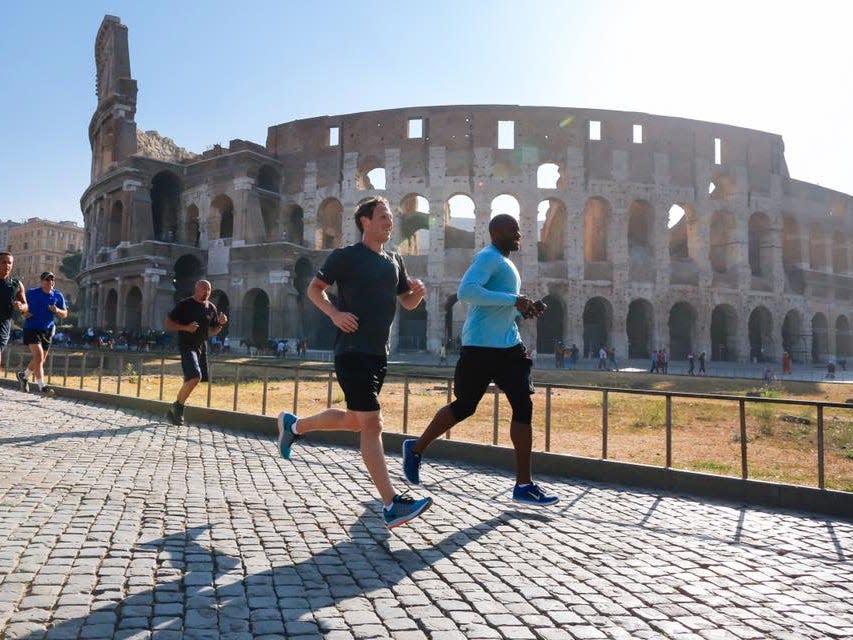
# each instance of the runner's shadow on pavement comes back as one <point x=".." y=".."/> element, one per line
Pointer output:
<point x="107" y="431"/>
<point x="203" y="602"/>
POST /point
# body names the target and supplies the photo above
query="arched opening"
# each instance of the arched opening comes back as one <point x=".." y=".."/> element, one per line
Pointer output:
<point x="840" y="260"/>
<point x="506" y="204"/>
<point x="724" y="333"/>
<point x="760" y="245"/>
<point x="223" y="305"/>
<point x="188" y="270"/>
<point x="294" y="224"/>
<point x="268" y="179"/>
<point x="459" y="222"/>
<point x="133" y="309"/>
<point x="256" y="316"/>
<point x="192" y="230"/>
<point x="722" y="241"/>
<point x="412" y="334"/>
<point x="820" y="338"/>
<point x="371" y="175"/>
<point x="642" y="267"/>
<point x="552" y="219"/>
<point x="165" y="204"/>
<point x="549" y="328"/>
<point x="843" y="341"/>
<point x="452" y="330"/>
<point x="677" y="223"/>
<point x="597" y="324"/>
<point x="114" y="225"/>
<point x="682" y="330"/>
<point x="794" y="339"/>
<point x="329" y="218"/>
<point x="549" y="176"/>
<point x="414" y="224"/>
<point x="596" y="222"/>
<point x="221" y="219"/>
<point x="817" y="248"/>
<point x="111" y="309"/>
<point x="792" y="256"/>
<point x="640" y="328"/>
<point x="760" y="334"/>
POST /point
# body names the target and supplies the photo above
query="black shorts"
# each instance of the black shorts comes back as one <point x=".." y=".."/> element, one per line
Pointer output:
<point x="39" y="336"/>
<point x="194" y="364"/>
<point x="5" y="332"/>
<point x="361" y="376"/>
<point x="508" y="368"/>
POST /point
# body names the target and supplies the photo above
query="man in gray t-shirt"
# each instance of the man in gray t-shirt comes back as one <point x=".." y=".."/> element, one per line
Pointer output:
<point x="370" y="281"/>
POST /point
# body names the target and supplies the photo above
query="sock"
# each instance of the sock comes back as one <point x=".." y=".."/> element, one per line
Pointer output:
<point x="40" y="383"/>
<point x="293" y="428"/>
<point x="524" y="486"/>
<point x="389" y="505"/>
<point x="25" y="373"/>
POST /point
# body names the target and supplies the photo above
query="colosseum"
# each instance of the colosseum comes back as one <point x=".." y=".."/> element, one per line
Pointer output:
<point x="639" y="231"/>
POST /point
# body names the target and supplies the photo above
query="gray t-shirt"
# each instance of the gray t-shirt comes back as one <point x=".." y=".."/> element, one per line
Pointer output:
<point x="368" y="286"/>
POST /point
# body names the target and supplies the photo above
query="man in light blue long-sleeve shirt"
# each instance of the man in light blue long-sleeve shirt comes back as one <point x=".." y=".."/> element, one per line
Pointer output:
<point x="492" y="351"/>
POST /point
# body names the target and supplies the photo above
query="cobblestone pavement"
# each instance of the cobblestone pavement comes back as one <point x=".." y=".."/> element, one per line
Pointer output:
<point x="116" y="525"/>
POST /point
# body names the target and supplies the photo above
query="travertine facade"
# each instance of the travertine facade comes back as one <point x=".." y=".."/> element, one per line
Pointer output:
<point x="39" y="245"/>
<point x="759" y="262"/>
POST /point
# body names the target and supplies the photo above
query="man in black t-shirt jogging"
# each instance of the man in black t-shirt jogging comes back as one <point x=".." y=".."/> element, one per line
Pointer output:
<point x="370" y="281"/>
<point x="195" y="319"/>
<point x="12" y="298"/>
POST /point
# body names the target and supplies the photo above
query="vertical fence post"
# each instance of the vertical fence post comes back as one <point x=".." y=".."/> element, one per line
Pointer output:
<point x="162" y="374"/>
<point x="138" y="375"/>
<point x="82" y="369"/>
<point x="547" y="417"/>
<point x="668" y="431"/>
<point x="6" y="364"/>
<point x="50" y="367"/>
<point x="742" y="411"/>
<point x="604" y="424"/>
<point x="118" y="377"/>
<point x="449" y="400"/>
<point x="236" y="384"/>
<point x="296" y="391"/>
<point x="406" y="404"/>
<point x="209" y="382"/>
<point x="101" y="372"/>
<point x="264" y="392"/>
<point x="329" y="391"/>
<point x="821" y="479"/>
<point x="65" y="370"/>
<point x="496" y="416"/>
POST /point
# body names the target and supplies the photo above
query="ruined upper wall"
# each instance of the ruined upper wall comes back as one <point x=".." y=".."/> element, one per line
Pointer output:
<point x="152" y="145"/>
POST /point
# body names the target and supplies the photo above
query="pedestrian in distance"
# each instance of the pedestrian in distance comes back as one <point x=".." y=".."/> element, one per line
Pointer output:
<point x="371" y="281"/>
<point x="195" y="319"/>
<point x="12" y="298"/>
<point x="492" y="351"/>
<point x="690" y="364"/>
<point x="44" y="305"/>
<point x="702" y="364"/>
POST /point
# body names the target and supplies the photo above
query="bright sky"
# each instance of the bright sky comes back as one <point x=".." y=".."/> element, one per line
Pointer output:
<point x="215" y="70"/>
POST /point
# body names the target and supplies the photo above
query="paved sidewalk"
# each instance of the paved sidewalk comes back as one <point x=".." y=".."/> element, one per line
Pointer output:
<point x="116" y="525"/>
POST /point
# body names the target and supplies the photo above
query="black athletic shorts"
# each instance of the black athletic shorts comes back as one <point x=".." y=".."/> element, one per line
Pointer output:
<point x="361" y="376"/>
<point x="194" y="364"/>
<point x="5" y="331"/>
<point x="39" y="336"/>
<point x="508" y="368"/>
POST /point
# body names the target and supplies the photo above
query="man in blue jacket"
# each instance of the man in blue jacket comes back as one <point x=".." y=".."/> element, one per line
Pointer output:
<point x="44" y="304"/>
<point x="492" y="351"/>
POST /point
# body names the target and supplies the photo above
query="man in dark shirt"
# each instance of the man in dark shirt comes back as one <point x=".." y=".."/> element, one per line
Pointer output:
<point x="370" y="282"/>
<point x="195" y="319"/>
<point x="11" y="298"/>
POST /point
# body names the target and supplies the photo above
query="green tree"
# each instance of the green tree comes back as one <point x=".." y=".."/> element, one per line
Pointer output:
<point x="72" y="261"/>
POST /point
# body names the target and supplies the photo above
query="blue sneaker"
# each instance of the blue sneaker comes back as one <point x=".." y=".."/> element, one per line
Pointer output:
<point x="533" y="494"/>
<point x="403" y="509"/>
<point x="411" y="462"/>
<point x="286" y="437"/>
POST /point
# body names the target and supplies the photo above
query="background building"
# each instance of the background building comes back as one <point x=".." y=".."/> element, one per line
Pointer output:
<point x="40" y="245"/>
<point x="4" y="233"/>
<point x="640" y="231"/>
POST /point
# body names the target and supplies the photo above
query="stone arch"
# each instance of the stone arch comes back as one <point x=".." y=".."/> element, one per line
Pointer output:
<point x="549" y="328"/>
<point x="188" y="270"/>
<point x="820" y="338"/>
<point x="269" y="179"/>
<point x="760" y="245"/>
<point x="760" y="329"/>
<point x="220" y="222"/>
<point x="550" y="175"/>
<point x="840" y="256"/>
<point x="165" y="205"/>
<point x="682" y="330"/>
<point x="371" y="175"/>
<point x="414" y="224"/>
<point x="597" y="325"/>
<point x="192" y="228"/>
<point x="506" y="203"/>
<point x="133" y="309"/>
<point x="597" y="214"/>
<point x="843" y="340"/>
<point x="793" y="337"/>
<point x="114" y="226"/>
<point x="111" y="309"/>
<point x="256" y="315"/>
<point x="294" y="224"/>
<point x="681" y="216"/>
<point x="723" y="240"/>
<point x="459" y="222"/>
<point x="724" y="333"/>
<point x="792" y="254"/>
<point x="329" y="221"/>
<point x="817" y="248"/>
<point x="223" y="305"/>
<point x="303" y="272"/>
<point x="412" y="334"/>
<point x="552" y="220"/>
<point x="641" y="265"/>
<point x="451" y="329"/>
<point x="640" y="327"/>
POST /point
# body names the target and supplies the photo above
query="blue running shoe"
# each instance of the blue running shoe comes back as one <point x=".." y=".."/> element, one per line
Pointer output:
<point x="411" y="462"/>
<point x="533" y="494"/>
<point x="286" y="437"/>
<point x="403" y="509"/>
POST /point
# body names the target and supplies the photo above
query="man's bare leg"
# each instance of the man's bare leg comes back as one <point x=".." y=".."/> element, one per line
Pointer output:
<point x="522" y="440"/>
<point x="441" y="423"/>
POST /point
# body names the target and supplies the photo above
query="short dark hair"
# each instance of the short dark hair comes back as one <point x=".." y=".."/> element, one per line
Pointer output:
<point x="6" y="253"/>
<point x="365" y="210"/>
<point x="500" y="220"/>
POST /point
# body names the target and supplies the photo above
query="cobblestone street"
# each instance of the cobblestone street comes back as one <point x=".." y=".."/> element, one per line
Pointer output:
<point x="114" y="524"/>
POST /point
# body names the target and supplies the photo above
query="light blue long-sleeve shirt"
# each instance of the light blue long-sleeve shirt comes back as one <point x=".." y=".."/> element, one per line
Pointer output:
<point x="489" y="288"/>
